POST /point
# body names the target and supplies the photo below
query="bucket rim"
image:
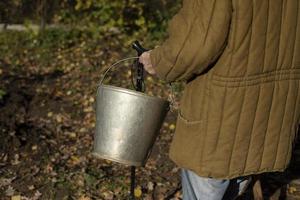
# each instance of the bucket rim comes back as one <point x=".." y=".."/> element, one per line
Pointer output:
<point x="132" y="92"/>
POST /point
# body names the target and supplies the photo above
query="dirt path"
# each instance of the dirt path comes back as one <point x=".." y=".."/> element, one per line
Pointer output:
<point x="21" y="27"/>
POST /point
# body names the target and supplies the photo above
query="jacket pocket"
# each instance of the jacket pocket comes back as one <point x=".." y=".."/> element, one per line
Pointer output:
<point x="186" y="147"/>
<point x="193" y="102"/>
<point x="187" y="121"/>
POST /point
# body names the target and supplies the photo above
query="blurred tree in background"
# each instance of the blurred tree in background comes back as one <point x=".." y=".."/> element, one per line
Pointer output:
<point x="126" y="16"/>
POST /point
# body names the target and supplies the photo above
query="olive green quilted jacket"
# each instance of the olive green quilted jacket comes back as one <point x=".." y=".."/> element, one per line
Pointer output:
<point x="241" y="107"/>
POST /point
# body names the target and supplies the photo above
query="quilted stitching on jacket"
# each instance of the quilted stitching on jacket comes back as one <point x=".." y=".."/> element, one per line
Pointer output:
<point x="240" y="114"/>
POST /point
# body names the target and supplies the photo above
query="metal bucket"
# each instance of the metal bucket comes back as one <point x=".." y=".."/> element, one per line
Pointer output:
<point x="127" y="124"/>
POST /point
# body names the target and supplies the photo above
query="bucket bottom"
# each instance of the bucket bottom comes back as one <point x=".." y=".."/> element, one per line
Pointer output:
<point x="125" y="162"/>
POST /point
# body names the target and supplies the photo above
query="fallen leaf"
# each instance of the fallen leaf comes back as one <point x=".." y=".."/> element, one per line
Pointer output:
<point x="150" y="79"/>
<point x="175" y="170"/>
<point x="75" y="160"/>
<point x="6" y="181"/>
<point x="16" y="197"/>
<point x="31" y="187"/>
<point x="84" y="198"/>
<point x="59" y="118"/>
<point x="92" y="99"/>
<point x="82" y="130"/>
<point x="37" y="195"/>
<point x="172" y="127"/>
<point x="50" y="114"/>
<point x="34" y="147"/>
<point x="16" y="160"/>
<point x="150" y="186"/>
<point x="292" y="190"/>
<point x="10" y="191"/>
<point x="72" y="135"/>
<point x="138" y="192"/>
<point x="108" y="195"/>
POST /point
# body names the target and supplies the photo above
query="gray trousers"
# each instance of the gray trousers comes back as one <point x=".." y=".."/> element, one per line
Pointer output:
<point x="195" y="187"/>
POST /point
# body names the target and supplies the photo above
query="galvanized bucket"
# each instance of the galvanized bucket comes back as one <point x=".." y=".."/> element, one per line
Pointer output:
<point x="127" y="124"/>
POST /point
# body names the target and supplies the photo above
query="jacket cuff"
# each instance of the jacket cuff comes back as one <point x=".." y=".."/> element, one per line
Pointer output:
<point x="161" y="68"/>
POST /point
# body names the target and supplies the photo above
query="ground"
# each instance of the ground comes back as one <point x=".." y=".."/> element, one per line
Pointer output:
<point x="47" y="122"/>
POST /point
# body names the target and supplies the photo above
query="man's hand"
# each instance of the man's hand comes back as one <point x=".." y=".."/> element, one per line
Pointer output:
<point x="146" y="61"/>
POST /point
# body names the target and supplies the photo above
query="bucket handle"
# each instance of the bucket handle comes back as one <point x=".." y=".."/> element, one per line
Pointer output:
<point x="173" y="105"/>
<point x="113" y="65"/>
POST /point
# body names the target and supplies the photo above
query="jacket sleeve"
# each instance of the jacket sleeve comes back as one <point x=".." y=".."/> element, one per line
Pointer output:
<point x="197" y="36"/>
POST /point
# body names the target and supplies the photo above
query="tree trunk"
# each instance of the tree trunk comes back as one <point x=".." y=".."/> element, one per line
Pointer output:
<point x="43" y="14"/>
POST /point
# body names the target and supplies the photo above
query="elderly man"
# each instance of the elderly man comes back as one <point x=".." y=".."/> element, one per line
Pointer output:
<point x="241" y="106"/>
